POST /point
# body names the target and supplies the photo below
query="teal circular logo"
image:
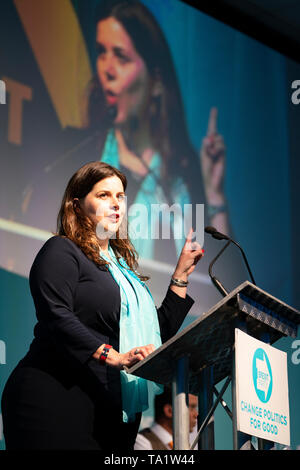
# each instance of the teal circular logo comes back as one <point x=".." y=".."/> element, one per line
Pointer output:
<point x="262" y="375"/>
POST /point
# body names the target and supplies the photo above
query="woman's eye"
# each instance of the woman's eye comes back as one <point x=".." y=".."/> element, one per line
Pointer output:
<point x="99" y="49"/>
<point x="104" y="196"/>
<point x="123" y="59"/>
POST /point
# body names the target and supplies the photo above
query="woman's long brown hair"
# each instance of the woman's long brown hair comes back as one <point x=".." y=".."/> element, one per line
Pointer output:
<point x="76" y="226"/>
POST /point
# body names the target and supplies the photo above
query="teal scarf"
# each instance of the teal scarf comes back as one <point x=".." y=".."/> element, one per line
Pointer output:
<point x="138" y="327"/>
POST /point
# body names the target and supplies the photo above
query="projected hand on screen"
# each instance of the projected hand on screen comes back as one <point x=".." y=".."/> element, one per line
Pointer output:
<point x="212" y="155"/>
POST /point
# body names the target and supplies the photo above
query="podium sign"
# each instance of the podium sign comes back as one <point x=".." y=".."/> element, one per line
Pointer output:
<point x="262" y="402"/>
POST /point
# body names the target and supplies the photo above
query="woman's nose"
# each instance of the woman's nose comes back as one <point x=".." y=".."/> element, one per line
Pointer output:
<point x="110" y="69"/>
<point x="115" y="203"/>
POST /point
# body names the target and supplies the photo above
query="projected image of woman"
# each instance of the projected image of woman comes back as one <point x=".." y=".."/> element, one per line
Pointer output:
<point x="136" y="101"/>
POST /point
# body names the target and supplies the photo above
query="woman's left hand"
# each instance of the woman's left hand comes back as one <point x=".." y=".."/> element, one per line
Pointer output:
<point x="190" y="254"/>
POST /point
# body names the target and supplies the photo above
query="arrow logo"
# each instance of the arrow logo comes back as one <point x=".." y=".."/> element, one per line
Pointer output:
<point x="262" y="375"/>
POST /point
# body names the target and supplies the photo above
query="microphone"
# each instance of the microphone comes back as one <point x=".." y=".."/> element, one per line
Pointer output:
<point x="215" y="234"/>
<point x="221" y="236"/>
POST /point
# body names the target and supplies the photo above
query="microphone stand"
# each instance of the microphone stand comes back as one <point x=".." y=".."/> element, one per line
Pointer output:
<point x="215" y="280"/>
<point x="221" y="236"/>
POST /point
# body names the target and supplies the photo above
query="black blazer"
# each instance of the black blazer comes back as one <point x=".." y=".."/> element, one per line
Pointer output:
<point x="78" y="308"/>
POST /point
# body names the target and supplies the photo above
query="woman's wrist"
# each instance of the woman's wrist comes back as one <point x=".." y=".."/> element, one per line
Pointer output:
<point x="98" y="353"/>
<point x="180" y="276"/>
<point x="178" y="289"/>
<point x="107" y="355"/>
<point x="104" y="354"/>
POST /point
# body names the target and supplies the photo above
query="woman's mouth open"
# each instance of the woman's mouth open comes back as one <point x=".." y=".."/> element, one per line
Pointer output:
<point x="114" y="217"/>
<point x="111" y="97"/>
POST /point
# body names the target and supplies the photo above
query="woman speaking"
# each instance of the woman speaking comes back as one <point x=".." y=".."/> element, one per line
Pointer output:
<point x="95" y="316"/>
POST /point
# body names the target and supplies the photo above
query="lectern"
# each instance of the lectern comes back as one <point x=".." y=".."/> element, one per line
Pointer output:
<point x="201" y="355"/>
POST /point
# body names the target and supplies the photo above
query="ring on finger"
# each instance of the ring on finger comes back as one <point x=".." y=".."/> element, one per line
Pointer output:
<point x="136" y="351"/>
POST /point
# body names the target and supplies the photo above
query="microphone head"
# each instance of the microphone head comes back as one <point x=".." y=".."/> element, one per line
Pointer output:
<point x="210" y="230"/>
<point x="219" y="236"/>
<point x="215" y="234"/>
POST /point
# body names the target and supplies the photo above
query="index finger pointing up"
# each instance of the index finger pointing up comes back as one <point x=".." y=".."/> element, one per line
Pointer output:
<point x="188" y="240"/>
<point x="212" y="122"/>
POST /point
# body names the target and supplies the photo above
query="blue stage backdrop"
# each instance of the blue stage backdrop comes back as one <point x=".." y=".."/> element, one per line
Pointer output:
<point x="225" y="86"/>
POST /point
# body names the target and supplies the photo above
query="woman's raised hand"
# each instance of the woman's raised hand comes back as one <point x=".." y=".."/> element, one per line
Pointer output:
<point x="190" y="254"/>
<point x="212" y="155"/>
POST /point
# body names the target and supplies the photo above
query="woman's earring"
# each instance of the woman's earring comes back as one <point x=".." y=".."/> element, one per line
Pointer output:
<point x="157" y="88"/>
<point x="157" y="94"/>
<point x="76" y="205"/>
